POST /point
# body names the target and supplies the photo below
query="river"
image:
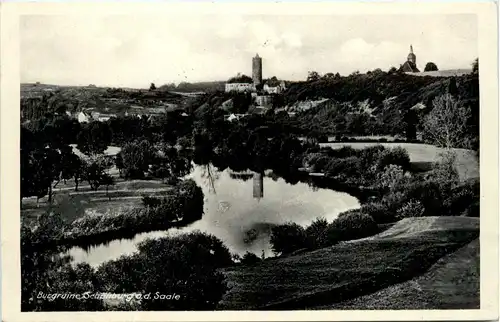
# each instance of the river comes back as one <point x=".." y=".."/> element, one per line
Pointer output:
<point x="240" y="212"/>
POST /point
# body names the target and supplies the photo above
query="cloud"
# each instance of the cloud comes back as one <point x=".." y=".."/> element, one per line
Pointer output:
<point x="138" y="50"/>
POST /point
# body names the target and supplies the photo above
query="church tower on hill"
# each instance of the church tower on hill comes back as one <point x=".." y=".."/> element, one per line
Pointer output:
<point x="410" y="65"/>
<point x="411" y="56"/>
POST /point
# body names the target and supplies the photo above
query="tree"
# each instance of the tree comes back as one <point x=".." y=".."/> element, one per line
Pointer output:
<point x="313" y="76"/>
<point x="107" y="180"/>
<point x="452" y="87"/>
<point x="152" y="87"/>
<point x="70" y="165"/>
<point x="94" y="174"/>
<point x="40" y="168"/>
<point x="94" y="138"/>
<point x="240" y="79"/>
<point x="170" y="165"/>
<point x="475" y="66"/>
<point x="135" y="158"/>
<point x="317" y="233"/>
<point x="430" y="67"/>
<point x="446" y="125"/>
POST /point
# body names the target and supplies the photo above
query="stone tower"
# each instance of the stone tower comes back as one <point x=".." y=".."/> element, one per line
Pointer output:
<point x="411" y="56"/>
<point x="258" y="185"/>
<point x="257" y="70"/>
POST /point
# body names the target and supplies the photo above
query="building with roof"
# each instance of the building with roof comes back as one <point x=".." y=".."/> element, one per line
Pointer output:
<point x="410" y="65"/>
<point x="239" y="87"/>
<point x="84" y="117"/>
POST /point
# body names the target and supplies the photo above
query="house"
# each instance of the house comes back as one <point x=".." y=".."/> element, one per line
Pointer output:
<point x="234" y="117"/>
<point x="240" y="87"/>
<point x="84" y="117"/>
<point x="270" y="89"/>
<point x="104" y="118"/>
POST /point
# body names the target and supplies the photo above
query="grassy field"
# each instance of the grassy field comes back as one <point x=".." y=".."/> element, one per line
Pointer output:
<point x="422" y="156"/>
<point x="74" y="204"/>
<point x="347" y="271"/>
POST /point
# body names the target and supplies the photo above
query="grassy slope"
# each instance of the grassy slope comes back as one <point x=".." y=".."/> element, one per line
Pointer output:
<point x="451" y="283"/>
<point x="346" y="271"/>
<point x="423" y="155"/>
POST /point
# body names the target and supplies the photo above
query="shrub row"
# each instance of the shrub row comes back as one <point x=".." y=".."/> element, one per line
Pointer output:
<point x="182" y="205"/>
<point x="357" y="166"/>
<point x="427" y="198"/>
<point x="290" y="237"/>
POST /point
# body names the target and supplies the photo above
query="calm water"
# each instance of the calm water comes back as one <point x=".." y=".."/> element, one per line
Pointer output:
<point x="240" y="213"/>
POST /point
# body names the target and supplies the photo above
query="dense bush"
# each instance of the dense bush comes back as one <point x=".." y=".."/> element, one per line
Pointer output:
<point x="381" y="212"/>
<point x="396" y="156"/>
<point x="287" y="238"/>
<point x="346" y="169"/>
<point x="351" y="225"/>
<point x="316" y="233"/>
<point x="186" y="265"/>
<point x="463" y="200"/>
<point x="392" y="177"/>
<point x="444" y="172"/>
<point x="371" y="155"/>
<point x="412" y="208"/>
<point x="250" y="259"/>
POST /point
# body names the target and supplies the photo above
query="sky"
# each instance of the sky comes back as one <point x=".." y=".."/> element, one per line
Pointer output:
<point x="134" y="51"/>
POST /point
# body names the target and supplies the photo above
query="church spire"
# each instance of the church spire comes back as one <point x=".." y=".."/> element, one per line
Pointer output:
<point x="411" y="49"/>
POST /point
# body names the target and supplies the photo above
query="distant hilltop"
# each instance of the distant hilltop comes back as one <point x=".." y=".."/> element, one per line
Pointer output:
<point x="444" y="73"/>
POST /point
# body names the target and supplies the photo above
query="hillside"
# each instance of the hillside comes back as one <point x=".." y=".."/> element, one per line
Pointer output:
<point x="451" y="283"/>
<point x="378" y="103"/>
<point x="38" y="99"/>
<point x="349" y="270"/>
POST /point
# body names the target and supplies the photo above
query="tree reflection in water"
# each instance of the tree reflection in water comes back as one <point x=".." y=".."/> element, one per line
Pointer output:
<point x="209" y="175"/>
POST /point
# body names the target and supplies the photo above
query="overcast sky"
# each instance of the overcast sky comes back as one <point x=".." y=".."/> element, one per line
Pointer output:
<point x="137" y="50"/>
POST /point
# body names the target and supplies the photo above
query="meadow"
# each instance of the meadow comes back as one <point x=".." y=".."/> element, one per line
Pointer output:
<point x="423" y="156"/>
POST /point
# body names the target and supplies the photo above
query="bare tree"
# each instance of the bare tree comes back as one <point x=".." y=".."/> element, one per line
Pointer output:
<point x="446" y="125"/>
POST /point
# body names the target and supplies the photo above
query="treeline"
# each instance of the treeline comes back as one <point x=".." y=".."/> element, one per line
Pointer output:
<point x="187" y="87"/>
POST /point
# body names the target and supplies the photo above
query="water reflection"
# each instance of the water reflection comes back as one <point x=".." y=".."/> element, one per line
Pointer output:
<point x="258" y="185"/>
<point x="236" y="211"/>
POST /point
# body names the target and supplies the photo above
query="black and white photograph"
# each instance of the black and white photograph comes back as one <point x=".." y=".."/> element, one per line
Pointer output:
<point x="233" y="161"/>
